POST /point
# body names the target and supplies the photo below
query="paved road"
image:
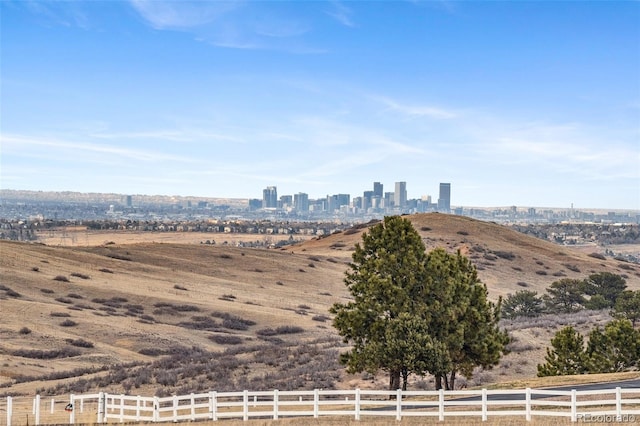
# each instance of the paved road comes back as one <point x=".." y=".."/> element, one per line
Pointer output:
<point x="635" y="383"/>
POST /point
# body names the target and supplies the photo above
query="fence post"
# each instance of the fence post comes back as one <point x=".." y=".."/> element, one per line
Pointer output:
<point x="527" y="405"/>
<point x="213" y="405"/>
<point x="316" y="403"/>
<point x="618" y="404"/>
<point x="484" y="405"/>
<point x="193" y="407"/>
<point x="72" y="411"/>
<point x="245" y="405"/>
<point x="175" y="408"/>
<point x="156" y="408"/>
<point x="399" y="404"/>
<point x="9" y="409"/>
<point x="53" y="404"/>
<point x="101" y="401"/>
<point x="574" y="408"/>
<point x="121" y="408"/>
<point x="138" y="408"/>
<point x="37" y="409"/>
<point x="82" y="405"/>
<point x="441" y="405"/>
<point x="356" y="406"/>
<point x="275" y="404"/>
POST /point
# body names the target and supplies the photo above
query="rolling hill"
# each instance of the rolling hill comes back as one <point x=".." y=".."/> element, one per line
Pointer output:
<point x="167" y="317"/>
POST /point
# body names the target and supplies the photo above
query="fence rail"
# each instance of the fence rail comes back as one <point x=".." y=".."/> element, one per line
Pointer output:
<point x="618" y="404"/>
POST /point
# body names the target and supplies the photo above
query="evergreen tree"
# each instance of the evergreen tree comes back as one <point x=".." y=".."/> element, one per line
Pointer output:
<point x="388" y="320"/>
<point x="628" y="306"/>
<point x="413" y="312"/>
<point x="605" y="284"/>
<point x="464" y="319"/>
<point x="524" y="303"/>
<point x="565" y="296"/>
<point x="567" y="356"/>
<point x="616" y="349"/>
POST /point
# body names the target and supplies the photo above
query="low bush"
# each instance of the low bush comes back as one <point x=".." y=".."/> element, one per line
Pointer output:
<point x="179" y="287"/>
<point x="81" y="343"/>
<point x="41" y="354"/>
<point x="64" y="300"/>
<point x="79" y="275"/>
<point x="24" y="330"/>
<point x="68" y="323"/>
<point x="106" y="270"/>
<point x="60" y="314"/>
<point x="61" y="278"/>
<point x="225" y="339"/>
<point x="47" y="291"/>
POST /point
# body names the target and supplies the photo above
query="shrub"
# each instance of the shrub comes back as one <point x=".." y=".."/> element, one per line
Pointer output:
<point x="118" y="257"/>
<point x="320" y="318"/>
<point x="425" y="228"/>
<point x="462" y="233"/>
<point x="81" y="343"/>
<point x="61" y="278"/>
<point x="179" y="287"/>
<point x="40" y="354"/>
<point x="35" y="269"/>
<point x="105" y="270"/>
<point x="74" y="296"/>
<point x="597" y="256"/>
<point x="505" y="254"/>
<point x="541" y="272"/>
<point x="79" y="275"/>
<point x="68" y="323"/>
<point x="225" y="339"/>
<point x="225" y="256"/>
<point x="12" y="293"/>
<point x="227" y="297"/>
<point x="24" y="330"/>
<point x="60" y="314"/>
<point x="64" y="300"/>
<point x="570" y="267"/>
<point x="47" y="291"/>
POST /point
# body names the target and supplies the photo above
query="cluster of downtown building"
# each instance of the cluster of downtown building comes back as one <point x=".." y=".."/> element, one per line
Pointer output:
<point x="375" y="202"/>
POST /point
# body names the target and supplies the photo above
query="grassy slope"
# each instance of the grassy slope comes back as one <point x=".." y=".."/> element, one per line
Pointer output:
<point x="271" y="288"/>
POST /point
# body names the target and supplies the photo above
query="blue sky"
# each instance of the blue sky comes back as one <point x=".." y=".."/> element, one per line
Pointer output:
<point x="512" y="102"/>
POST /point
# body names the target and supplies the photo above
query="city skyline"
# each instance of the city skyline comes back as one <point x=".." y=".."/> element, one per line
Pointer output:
<point x="513" y="103"/>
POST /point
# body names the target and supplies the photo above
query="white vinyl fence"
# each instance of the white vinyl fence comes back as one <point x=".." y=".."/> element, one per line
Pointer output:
<point x="603" y="405"/>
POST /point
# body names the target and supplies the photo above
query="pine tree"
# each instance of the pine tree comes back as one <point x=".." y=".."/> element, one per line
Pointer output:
<point x="615" y="349"/>
<point x="415" y="313"/>
<point x="567" y="356"/>
<point x="565" y="296"/>
<point x="628" y="306"/>
<point x="605" y="284"/>
<point x="524" y="303"/>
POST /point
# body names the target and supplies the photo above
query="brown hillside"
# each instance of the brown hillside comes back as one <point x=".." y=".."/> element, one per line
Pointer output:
<point x="232" y="318"/>
<point x="506" y="259"/>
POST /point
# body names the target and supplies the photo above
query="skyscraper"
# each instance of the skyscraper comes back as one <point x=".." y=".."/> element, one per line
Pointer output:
<point x="301" y="202"/>
<point x="377" y="190"/>
<point x="400" y="194"/>
<point x="270" y="197"/>
<point x="444" y="199"/>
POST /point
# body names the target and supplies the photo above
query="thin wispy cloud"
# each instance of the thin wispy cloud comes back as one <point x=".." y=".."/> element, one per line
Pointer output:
<point x="410" y="110"/>
<point x="18" y="143"/>
<point x="341" y="13"/>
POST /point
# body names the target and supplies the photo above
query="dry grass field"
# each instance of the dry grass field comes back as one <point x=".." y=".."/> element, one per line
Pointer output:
<point x="152" y="313"/>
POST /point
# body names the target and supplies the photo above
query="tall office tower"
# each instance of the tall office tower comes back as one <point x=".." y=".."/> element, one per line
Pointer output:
<point x="400" y="194"/>
<point x="129" y="201"/>
<point x="301" y="202"/>
<point x="444" y="199"/>
<point x="377" y="190"/>
<point x="367" y="196"/>
<point x="270" y="197"/>
<point x="388" y="200"/>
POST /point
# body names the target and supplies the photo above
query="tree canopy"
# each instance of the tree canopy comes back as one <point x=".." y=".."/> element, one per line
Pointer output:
<point x="414" y="312"/>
